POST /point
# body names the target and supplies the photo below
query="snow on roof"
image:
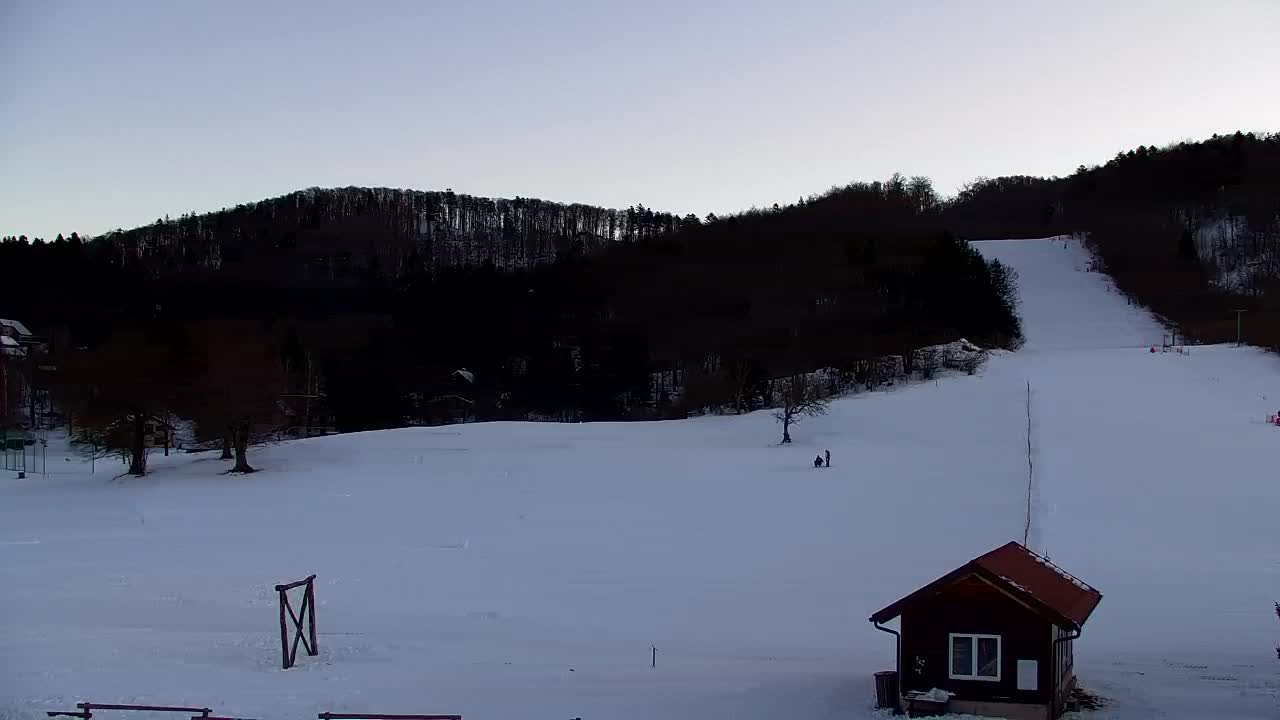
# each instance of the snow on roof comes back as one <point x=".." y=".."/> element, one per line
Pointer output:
<point x="1034" y="575"/>
<point x="466" y="375"/>
<point x="22" y="329"/>
<point x="1058" y="593"/>
<point x="1065" y="575"/>
<point x="1014" y="583"/>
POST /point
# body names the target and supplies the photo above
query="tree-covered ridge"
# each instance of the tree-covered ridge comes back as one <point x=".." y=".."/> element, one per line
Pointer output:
<point x="317" y="236"/>
<point x="603" y="314"/>
<point x="371" y="299"/>
<point x="1191" y="229"/>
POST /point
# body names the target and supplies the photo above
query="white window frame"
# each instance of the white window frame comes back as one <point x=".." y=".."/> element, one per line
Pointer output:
<point x="951" y="641"/>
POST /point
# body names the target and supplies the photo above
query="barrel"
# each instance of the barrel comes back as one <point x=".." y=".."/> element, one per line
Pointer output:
<point x="887" y="689"/>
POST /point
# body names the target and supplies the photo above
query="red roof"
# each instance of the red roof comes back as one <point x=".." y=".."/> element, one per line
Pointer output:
<point x="1047" y="588"/>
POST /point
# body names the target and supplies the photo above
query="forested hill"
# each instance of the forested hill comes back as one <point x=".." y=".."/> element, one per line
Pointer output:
<point x="374" y="298"/>
<point x="1191" y="229"/>
<point x="319" y="237"/>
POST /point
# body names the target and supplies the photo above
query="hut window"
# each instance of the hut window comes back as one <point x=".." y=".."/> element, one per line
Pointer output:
<point x="975" y="657"/>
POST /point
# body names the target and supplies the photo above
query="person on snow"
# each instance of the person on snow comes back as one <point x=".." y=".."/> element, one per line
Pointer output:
<point x="828" y="458"/>
<point x="817" y="461"/>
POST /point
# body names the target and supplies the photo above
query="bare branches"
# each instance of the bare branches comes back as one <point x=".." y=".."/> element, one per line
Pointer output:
<point x="800" y="397"/>
<point x="235" y="380"/>
<point x="116" y="391"/>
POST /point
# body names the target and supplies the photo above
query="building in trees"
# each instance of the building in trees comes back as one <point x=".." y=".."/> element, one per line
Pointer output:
<point x="15" y="331"/>
<point x="11" y="385"/>
<point x="14" y="381"/>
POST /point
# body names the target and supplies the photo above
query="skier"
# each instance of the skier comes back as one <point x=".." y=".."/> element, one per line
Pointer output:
<point x="828" y="458"/>
<point x="817" y="461"/>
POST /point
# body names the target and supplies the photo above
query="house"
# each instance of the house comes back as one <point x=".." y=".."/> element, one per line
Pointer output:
<point x="11" y="347"/>
<point x="15" y="330"/>
<point x="13" y="373"/>
<point x="447" y="410"/>
<point x="156" y="432"/>
<point x="995" y="634"/>
<point x="16" y="339"/>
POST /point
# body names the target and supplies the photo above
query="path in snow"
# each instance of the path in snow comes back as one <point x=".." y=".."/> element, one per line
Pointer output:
<point x="1153" y="484"/>
<point x="525" y="570"/>
<point x="1064" y="306"/>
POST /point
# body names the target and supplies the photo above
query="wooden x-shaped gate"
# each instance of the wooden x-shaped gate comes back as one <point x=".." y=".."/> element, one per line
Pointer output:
<point x="306" y="612"/>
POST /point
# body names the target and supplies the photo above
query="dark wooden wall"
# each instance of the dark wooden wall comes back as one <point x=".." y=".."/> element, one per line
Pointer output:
<point x="974" y="606"/>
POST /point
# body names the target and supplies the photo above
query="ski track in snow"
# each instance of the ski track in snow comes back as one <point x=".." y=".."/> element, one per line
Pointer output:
<point x="525" y="570"/>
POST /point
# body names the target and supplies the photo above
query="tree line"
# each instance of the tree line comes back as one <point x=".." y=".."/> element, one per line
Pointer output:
<point x="360" y="306"/>
<point x="1190" y="230"/>
<point x="222" y="378"/>
<point x="343" y="236"/>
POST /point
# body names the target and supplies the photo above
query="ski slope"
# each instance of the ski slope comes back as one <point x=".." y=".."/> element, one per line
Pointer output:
<point x="1155" y="483"/>
<point x="526" y="570"/>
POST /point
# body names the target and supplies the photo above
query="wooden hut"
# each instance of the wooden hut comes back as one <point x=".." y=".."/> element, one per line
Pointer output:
<point x="996" y="635"/>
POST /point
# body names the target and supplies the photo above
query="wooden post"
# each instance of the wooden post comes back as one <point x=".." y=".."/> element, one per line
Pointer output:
<point x="88" y="707"/>
<point x="382" y="716"/>
<point x="654" y="662"/>
<point x="1238" y="313"/>
<point x="311" y="615"/>
<point x="284" y="631"/>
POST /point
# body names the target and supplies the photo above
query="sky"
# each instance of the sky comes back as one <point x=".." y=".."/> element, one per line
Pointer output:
<point x="115" y="114"/>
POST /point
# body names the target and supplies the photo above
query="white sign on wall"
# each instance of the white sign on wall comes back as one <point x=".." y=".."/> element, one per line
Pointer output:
<point x="1028" y="674"/>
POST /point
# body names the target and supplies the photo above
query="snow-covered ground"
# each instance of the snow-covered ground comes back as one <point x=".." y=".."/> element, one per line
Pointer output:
<point x="525" y="570"/>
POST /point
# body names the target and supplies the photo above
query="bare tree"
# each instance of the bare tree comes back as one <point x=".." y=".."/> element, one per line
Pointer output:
<point x="236" y="378"/>
<point x="800" y="398"/>
<point x="115" y="390"/>
<point x="1278" y="615"/>
<point x="740" y="375"/>
<point x="921" y="193"/>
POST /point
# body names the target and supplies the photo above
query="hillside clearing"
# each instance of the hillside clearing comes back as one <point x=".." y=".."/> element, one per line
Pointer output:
<point x="525" y="570"/>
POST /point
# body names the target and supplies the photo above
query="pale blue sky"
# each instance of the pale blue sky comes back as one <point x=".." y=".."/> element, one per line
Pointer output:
<point x="115" y="113"/>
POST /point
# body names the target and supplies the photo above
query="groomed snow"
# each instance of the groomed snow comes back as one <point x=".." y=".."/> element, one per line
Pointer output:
<point x="525" y="570"/>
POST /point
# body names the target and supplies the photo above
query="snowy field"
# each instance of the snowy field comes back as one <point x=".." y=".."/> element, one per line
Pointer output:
<point x="512" y="571"/>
